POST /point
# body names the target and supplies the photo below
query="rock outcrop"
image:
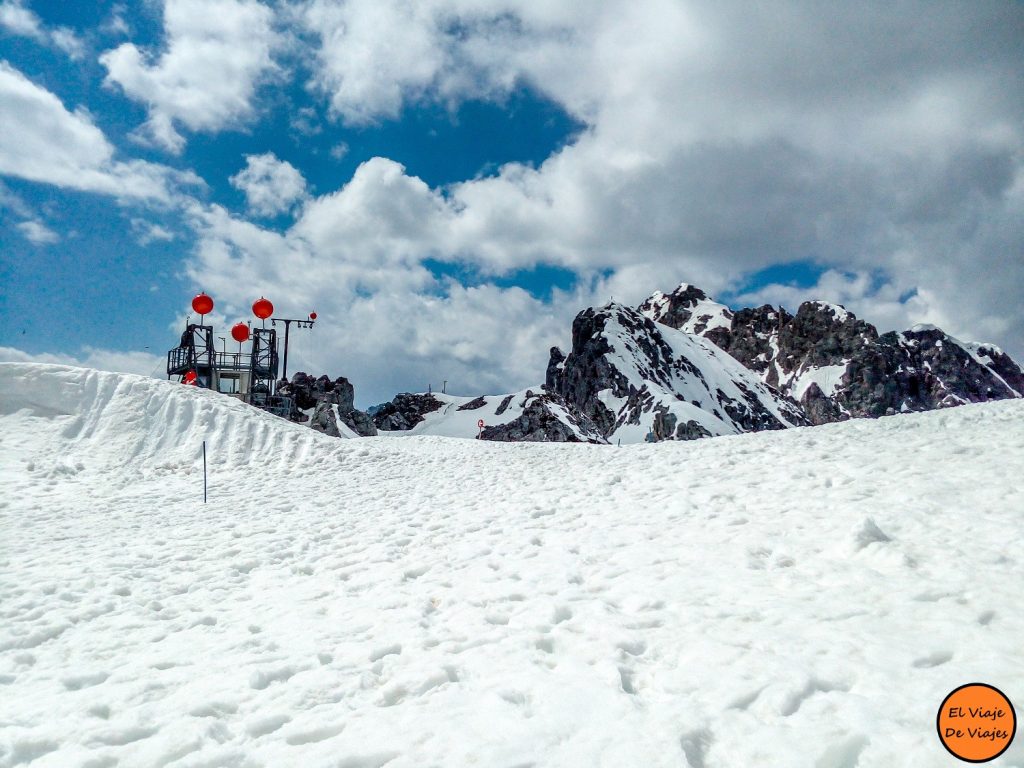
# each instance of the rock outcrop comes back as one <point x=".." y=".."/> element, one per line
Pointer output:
<point x="326" y="404"/>
<point x="543" y="418"/>
<point x="405" y="411"/>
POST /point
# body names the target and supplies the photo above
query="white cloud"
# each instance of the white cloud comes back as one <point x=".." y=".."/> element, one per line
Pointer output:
<point x="147" y="232"/>
<point x="20" y="20"/>
<point x="13" y="202"/>
<point x="42" y="141"/>
<point x="38" y="233"/>
<point x="217" y="54"/>
<point x="721" y="139"/>
<point x="115" y="24"/>
<point x="385" y="321"/>
<point x="376" y="56"/>
<point x="142" y="363"/>
<point x="271" y="186"/>
<point x="69" y="42"/>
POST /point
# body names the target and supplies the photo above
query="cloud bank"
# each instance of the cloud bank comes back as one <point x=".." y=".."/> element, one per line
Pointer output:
<point x="880" y="144"/>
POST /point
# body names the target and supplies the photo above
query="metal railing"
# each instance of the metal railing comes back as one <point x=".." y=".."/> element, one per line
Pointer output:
<point x="182" y="359"/>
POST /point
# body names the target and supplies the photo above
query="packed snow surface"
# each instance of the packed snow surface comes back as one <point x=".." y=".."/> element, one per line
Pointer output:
<point x="797" y="598"/>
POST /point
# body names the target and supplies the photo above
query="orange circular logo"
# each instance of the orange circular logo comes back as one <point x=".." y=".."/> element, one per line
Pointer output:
<point x="976" y="723"/>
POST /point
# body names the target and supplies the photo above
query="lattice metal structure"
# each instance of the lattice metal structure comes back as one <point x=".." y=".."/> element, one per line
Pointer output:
<point x="248" y="375"/>
<point x="195" y="353"/>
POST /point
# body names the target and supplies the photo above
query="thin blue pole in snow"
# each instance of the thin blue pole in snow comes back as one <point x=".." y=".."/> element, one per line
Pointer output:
<point x="204" y="471"/>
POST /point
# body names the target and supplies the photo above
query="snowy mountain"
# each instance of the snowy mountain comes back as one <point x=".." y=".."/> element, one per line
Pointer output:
<point x="394" y="603"/>
<point x="624" y="377"/>
<point x="682" y="366"/>
<point x="837" y="366"/>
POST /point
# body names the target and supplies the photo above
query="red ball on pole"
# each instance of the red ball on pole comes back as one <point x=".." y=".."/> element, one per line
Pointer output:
<point x="202" y="304"/>
<point x="312" y="315"/>
<point x="262" y="308"/>
<point x="240" y="332"/>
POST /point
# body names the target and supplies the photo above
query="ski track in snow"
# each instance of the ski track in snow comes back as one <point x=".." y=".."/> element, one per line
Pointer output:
<point x="797" y="598"/>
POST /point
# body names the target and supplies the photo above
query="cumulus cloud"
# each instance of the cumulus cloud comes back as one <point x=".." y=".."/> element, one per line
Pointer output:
<point x="721" y="139"/>
<point x="374" y="57"/>
<point x="271" y="186"/>
<point x="148" y="232"/>
<point x="217" y="53"/>
<point x="116" y="24"/>
<point x="37" y="233"/>
<point x="43" y="141"/>
<point x="355" y="257"/>
<point x="18" y="19"/>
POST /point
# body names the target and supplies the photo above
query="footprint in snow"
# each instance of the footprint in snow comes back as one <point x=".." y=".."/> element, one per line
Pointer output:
<point x="388" y="650"/>
<point x="935" y="659"/>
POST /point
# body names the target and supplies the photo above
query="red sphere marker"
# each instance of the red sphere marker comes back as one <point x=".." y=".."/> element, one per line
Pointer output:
<point x="202" y="304"/>
<point x="262" y="308"/>
<point x="312" y="315"/>
<point x="240" y="332"/>
<point x="480" y="423"/>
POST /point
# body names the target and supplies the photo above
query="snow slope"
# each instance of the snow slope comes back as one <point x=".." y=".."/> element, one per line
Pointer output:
<point x="804" y="597"/>
<point x="687" y="376"/>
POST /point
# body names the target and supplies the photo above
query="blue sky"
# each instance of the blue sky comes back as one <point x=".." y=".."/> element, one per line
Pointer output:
<point x="448" y="183"/>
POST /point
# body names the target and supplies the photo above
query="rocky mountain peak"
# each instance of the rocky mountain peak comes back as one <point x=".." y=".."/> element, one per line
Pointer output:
<point x="687" y="308"/>
<point x="837" y="366"/>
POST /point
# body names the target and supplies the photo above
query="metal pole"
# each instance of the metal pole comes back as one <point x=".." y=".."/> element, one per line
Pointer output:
<point x="204" y="471"/>
<point x="287" y="326"/>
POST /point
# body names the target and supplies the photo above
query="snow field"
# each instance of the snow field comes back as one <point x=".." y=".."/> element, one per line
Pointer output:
<point x="795" y="598"/>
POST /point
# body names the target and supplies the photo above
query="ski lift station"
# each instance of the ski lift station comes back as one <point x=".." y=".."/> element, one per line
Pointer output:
<point x="250" y="376"/>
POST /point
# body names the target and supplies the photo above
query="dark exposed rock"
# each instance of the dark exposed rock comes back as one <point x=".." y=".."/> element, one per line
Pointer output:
<point x="1002" y="365"/>
<point x="538" y="422"/>
<point x="359" y="422"/>
<point x="329" y="400"/>
<point x="578" y="377"/>
<point x="664" y="426"/>
<point x="916" y="370"/>
<point x="691" y="430"/>
<point x="324" y="419"/>
<point x="628" y="373"/>
<point x="504" y="405"/>
<point x="555" y="360"/>
<point x="820" y="409"/>
<point x="405" y="412"/>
